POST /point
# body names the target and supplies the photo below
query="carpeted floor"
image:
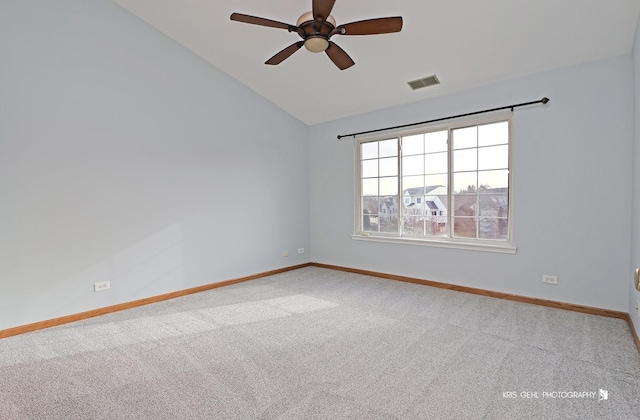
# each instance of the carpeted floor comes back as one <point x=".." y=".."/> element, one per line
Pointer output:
<point x="322" y="344"/>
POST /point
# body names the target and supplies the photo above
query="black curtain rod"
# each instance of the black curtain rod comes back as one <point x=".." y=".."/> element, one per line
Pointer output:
<point x="541" y="101"/>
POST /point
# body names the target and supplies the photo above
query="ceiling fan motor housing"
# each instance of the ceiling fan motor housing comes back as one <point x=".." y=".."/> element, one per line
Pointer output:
<point x="316" y="33"/>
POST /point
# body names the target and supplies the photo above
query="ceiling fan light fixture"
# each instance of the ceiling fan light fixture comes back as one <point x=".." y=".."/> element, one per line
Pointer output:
<point x="316" y="29"/>
<point x="316" y="44"/>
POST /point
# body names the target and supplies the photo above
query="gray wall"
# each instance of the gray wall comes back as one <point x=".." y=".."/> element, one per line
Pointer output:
<point x="634" y="295"/>
<point x="572" y="170"/>
<point x="124" y="157"/>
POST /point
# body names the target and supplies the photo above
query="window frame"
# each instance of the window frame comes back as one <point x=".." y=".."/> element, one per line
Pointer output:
<point x="499" y="246"/>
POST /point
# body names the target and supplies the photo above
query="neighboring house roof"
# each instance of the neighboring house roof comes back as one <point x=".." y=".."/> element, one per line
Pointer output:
<point x="421" y="190"/>
<point x="432" y="205"/>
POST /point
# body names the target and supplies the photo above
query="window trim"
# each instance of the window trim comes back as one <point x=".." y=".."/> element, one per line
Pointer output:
<point x="442" y="242"/>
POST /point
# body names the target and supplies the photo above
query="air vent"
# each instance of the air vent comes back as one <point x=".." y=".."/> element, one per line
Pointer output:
<point x="424" y="82"/>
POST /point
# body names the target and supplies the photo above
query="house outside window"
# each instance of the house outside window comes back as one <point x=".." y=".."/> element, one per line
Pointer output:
<point x="452" y="182"/>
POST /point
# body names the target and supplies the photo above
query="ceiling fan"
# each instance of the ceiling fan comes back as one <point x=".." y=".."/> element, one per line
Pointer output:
<point x="316" y="29"/>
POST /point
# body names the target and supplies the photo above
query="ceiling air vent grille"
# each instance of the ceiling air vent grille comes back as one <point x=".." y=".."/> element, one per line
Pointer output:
<point x="424" y="82"/>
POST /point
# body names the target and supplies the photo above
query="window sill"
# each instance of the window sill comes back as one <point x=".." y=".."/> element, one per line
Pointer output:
<point x="453" y="244"/>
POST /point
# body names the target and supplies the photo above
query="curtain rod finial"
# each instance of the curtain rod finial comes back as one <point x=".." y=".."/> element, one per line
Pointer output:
<point x="545" y="100"/>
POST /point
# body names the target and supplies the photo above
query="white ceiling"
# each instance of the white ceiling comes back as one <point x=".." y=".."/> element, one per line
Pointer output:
<point x="465" y="43"/>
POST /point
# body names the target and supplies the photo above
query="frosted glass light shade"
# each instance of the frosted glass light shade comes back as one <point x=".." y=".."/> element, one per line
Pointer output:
<point x="316" y="44"/>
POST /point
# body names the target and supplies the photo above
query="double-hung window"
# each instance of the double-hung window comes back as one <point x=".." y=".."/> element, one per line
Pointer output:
<point x="445" y="185"/>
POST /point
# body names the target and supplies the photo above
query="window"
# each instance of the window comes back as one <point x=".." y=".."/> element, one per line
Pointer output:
<point x="452" y="183"/>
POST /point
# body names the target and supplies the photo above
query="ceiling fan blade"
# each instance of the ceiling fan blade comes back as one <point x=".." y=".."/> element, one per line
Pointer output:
<point x="239" y="17"/>
<point x="322" y="8"/>
<point x="338" y="56"/>
<point x="371" y="26"/>
<point x="284" y="54"/>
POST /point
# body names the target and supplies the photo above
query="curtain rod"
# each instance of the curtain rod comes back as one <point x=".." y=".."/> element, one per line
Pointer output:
<point x="541" y="101"/>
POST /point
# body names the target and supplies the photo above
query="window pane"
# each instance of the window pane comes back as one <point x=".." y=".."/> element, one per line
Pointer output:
<point x="370" y="168"/>
<point x="389" y="166"/>
<point x="465" y="160"/>
<point x="413" y="145"/>
<point x="431" y="207"/>
<point x="495" y="157"/>
<point x="388" y="147"/>
<point x="490" y="134"/>
<point x="389" y="205"/>
<point x="370" y="186"/>
<point x="436" y="226"/>
<point x="369" y="223"/>
<point x="491" y="228"/>
<point x="413" y="181"/>
<point x="465" y="182"/>
<point x="464" y="227"/>
<point x="436" y="163"/>
<point x="436" y="141"/>
<point x="465" y="137"/>
<point x="465" y="205"/>
<point x="411" y="205"/>
<point x="494" y="205"/>
<point x="434" y="180"/>
<point x="369" y="150"/>
<point x="370" y="205"/>
<point x="413" y="226"/>
<point x="389" y="185"/>
<point x="413" y="165"/>
<point x="491" y="180"/>
<point x="389" y="224"/>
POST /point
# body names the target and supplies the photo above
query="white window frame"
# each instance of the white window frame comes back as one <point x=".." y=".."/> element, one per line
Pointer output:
<point x="499" y="246"/>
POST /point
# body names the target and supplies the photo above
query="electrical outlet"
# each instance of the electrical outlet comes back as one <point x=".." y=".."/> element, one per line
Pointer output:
<point x="285" y="254"/>
<point x="549" y="279"/>
<point x="300" y="250"/>
<point x="99" y="287"/>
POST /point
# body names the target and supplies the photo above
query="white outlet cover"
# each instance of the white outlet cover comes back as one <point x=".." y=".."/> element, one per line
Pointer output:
<point x="99" y="287"/>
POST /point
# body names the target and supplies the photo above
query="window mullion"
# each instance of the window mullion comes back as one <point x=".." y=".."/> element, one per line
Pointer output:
<point x="477" y="184"/>
<point x="450" y="209"/>
<point x="400" y="203"/>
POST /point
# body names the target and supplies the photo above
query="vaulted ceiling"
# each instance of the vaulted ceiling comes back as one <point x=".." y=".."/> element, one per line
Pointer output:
<point x="466" y="43"/>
